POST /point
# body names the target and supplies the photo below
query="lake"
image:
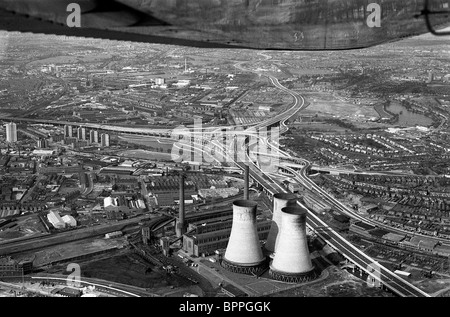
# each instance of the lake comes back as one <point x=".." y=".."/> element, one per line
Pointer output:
<point x="408" y="118"/>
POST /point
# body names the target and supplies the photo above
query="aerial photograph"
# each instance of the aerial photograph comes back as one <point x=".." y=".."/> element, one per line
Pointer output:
<point x="315" y="164"/>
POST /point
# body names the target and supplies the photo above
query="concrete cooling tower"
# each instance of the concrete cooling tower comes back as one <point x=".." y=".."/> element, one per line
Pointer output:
<point x="244" y="253"/>
<point x="280" y="201"/>
<point x="292" y="261"/>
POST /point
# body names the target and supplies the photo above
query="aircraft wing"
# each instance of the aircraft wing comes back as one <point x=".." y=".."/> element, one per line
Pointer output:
<point x="260" y="24"/>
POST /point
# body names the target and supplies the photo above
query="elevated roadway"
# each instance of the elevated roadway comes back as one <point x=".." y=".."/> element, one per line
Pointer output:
<point x="378" y="273"/>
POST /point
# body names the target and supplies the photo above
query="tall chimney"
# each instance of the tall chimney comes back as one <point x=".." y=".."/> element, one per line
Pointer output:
<point x="280" y="200"/>
<point x="180" y="224"/>
<point x="246" y="182"/>
<point x="292" y="261"/>
<point x="244" y="254"/>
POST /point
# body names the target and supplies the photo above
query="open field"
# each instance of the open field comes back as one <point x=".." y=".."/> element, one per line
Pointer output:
<point x="70" y="59"/>
<point x="150" y="141"/>
<point x="319" y="126"/>
<point x="26" y="226"/>
<point x="131" y="270"/>
<point x="75" y="249"/>
<point x="339" y="283"/>
<point x="327" y="103"/>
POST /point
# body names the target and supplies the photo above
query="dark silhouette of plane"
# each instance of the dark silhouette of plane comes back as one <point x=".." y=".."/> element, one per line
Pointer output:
<point x="259" y="24"/>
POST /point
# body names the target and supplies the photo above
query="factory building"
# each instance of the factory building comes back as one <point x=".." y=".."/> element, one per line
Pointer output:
<point x="112" y="235"/>
<point x="11" y="267"/>
<point x="56" y="220"/>
<point x="204" y="237"/>
<point x="110" y="202"/>
<point x="69" y="221"/>
<point x="122" y="204"/>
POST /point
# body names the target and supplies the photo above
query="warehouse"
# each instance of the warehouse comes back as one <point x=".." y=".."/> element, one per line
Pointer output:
<point x="208" y="236"/>
<point x="69" y="221"/>
<point x="56" y="220"/>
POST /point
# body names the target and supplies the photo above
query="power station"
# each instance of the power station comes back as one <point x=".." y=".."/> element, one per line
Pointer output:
<point x="286" y="242"/>
<point x="244" y="253"/>
<point x="280" y="201"/>
<point x="292" y="261"/>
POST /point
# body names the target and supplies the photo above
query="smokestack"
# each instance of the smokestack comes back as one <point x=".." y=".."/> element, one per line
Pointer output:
<point x="180" y="224"/>
<point x="244" y="254"/>
<point x="280" y="200"/>
<point x="246" y="182"/>
<point x="292" y="261"/>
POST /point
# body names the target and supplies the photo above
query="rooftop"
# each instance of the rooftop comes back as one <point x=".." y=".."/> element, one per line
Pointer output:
<point x="363" y="225"/>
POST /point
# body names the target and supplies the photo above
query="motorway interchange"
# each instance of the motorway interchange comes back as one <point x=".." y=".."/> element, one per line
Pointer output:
<point x="379" y="274"/>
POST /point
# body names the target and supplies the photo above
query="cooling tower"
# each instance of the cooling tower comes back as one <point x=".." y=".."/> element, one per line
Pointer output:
<point x="292" y="261"/>
<point x="244" y="254"/>
<point x="280" y="201"/>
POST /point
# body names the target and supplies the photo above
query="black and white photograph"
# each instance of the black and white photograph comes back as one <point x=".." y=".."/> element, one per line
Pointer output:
<point x="219" y="155"/>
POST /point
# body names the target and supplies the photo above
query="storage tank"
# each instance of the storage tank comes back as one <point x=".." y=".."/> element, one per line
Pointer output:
<point x="244" y="253"/>
<point x="292" y="260"/>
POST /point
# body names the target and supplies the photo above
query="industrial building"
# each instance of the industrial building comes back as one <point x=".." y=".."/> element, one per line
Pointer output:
<point x="11" y="267"/>
<point x="115" y="234"/>
<point x="122" y="204"/>
<point x="166" y="190"/>
<point x="204" y="237"/>
<point x="41" y="152"/>
<point x="69" y="221"/>
<point x="68" y="292"/>
<point x="56" y="220"/>
<point x="61" y="222"/>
